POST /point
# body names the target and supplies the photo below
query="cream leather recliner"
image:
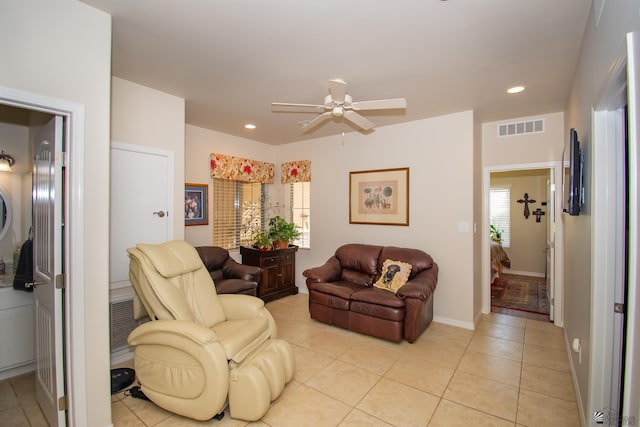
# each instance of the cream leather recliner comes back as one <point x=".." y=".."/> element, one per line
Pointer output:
<point x="202" y="350"/>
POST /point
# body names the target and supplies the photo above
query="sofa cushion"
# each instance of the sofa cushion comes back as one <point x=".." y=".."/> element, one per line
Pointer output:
<point x="377" y="296"/>
<point x="339" y="289"/>
<point x="359" y="257"/>
<point x="419" y="260"/>
<point x="378" y="303"/>
<point x="394" y="275"/>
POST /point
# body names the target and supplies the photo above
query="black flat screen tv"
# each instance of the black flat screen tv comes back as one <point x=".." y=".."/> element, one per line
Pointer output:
<point x="572" y="183"/>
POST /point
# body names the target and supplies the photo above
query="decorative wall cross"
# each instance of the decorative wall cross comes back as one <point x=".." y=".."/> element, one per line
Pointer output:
<point x="526" y="202"/>
<point x="538" y="213"/>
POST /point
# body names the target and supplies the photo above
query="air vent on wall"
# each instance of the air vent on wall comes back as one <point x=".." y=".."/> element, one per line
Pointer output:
<point x="521" y="128"/>
<point x="122" y="323"/>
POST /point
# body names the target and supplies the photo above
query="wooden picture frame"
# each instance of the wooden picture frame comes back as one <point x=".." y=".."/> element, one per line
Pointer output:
<point x="196" y="204"/>
<point x="379" y="197"/>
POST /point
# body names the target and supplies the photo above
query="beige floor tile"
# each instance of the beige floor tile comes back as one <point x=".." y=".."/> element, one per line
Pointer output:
<point x="548" y="381"/>
<point x="504" y="319"/>
<point x="122" y="416"/>
<point x="496" y="346"/>
<point x="485" y="395"/>
<point x="544" y="326"/>
<point x="450" y="414"/>
<point x="371" y="356"/>
<point x="500" y="330"/>
<point x="398" y="404"/>
<point x="308" y="363"/>
<point x="491" y="367"/>
<point x="227" y="421"/>
<point x="544" y="338"/>
<point x="421" y="373"/>
<point x="546" y="357"/>
<point x="344" y="382"/>
<point x="535" y="409"/>
<point x="14" y="417"/>
<point x="306" y="407"/>
<point x="448" y="334"/>
<point x="357" y="418"/>
<point x="8" y="398"/>
<point x="330" y="343"/>
<point x="444" y="354"/>
<point x="150" y="413"/>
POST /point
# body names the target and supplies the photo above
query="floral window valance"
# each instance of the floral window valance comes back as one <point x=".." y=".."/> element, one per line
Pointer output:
<point x="239" y="169"/>
<point x="298" y="171"/>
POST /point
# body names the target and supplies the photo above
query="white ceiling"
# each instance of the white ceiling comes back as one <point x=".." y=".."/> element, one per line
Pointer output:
<point x="230" y="59"/>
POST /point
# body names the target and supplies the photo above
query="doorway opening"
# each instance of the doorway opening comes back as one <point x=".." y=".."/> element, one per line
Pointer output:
<point x="72" y="409"/>
<point x="519" y="223"/>
<point x="523" y="266"/>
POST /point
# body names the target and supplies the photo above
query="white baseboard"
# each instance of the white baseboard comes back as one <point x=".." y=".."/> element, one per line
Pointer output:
<point x="453" y="322"/>
<point x="19" y="370"/>
<point x="121" y="356"/>
<point x="522" y="273"/>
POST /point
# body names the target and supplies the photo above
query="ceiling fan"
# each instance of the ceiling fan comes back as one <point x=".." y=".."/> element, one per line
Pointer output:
<point x="339" y="104"/>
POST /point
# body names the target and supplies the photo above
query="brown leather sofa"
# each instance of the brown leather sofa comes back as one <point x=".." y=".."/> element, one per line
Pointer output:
<point x="341" y="292"/>
<point x="229" y="276"/>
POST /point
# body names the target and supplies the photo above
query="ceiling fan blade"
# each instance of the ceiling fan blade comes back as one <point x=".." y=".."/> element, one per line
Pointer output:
<point x="317" y="121"/>
<point x="337" y="89"/>
<point x="381" y="104"/>
<point x="289" y="104"/>
<point x="358" y="120"/>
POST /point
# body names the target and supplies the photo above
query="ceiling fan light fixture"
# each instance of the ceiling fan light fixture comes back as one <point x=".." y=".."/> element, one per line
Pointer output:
<point x="6" y="161"/>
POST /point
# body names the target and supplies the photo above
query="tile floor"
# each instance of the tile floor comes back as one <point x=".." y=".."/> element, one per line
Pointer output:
<point x="510" y="371"/>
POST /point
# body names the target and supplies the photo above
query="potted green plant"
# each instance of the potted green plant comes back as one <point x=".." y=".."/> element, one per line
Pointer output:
<point x="495" y="234"/>
<point x="282" y="232"/>
<point x="262" y="240"/>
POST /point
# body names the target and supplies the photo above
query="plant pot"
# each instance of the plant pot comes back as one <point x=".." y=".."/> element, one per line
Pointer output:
<point x="280" y="244"/>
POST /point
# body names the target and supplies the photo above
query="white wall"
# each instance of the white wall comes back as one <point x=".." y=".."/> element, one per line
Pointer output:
<point x="601" y="46"/>
<point x="439" y="153"/>
<point x="527" y="148"/>
<point x="150" y="118"/>
<point x="200" y="143"/>
<point x="62" y="49"/>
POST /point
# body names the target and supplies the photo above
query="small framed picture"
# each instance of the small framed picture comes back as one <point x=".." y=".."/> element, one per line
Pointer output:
<point x="195" y="204"/>
<point x="379" y="197"/>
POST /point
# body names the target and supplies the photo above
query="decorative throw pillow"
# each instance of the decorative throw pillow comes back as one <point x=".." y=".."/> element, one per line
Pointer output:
<point x="394" y="275"/>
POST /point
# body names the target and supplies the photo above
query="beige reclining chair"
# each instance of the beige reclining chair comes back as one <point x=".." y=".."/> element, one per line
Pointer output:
<point x="202" y="350"/>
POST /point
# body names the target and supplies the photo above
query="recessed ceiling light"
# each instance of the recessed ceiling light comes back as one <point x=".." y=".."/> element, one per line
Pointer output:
<point x="515" y="89"/>
<point x="250" y="126"/>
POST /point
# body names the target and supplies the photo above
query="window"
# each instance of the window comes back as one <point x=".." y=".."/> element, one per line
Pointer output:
<point x="299" y="200"/>
<point x="500" y="211"/>
<point x="237" y="212"/>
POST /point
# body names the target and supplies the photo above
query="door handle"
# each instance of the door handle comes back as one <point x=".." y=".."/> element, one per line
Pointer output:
<point x="33" y="284"/>
<point x="161" y="213"/>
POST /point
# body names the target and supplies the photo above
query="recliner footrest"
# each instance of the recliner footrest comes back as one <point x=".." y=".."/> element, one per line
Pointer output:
<point x="255" y="383"/>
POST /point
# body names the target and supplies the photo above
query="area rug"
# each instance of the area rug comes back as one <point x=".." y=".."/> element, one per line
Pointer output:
<point x="520" y="293"/>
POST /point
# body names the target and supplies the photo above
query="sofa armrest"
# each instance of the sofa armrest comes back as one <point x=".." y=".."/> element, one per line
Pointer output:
<point x="231" y="269"/>
<point x="421" y="286"/>
<point x="328" y="272"/>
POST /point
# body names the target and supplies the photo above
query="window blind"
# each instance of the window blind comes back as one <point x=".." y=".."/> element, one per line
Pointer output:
<point x="500" y="211"/>
<point x="299" y="200"/>
<point x="237" y="212"/>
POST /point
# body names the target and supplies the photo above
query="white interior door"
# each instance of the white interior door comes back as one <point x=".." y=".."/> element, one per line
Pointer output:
<point x="141" y="197"/>
<point x="551" y="242"/>
<point x="47" y="270"/>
